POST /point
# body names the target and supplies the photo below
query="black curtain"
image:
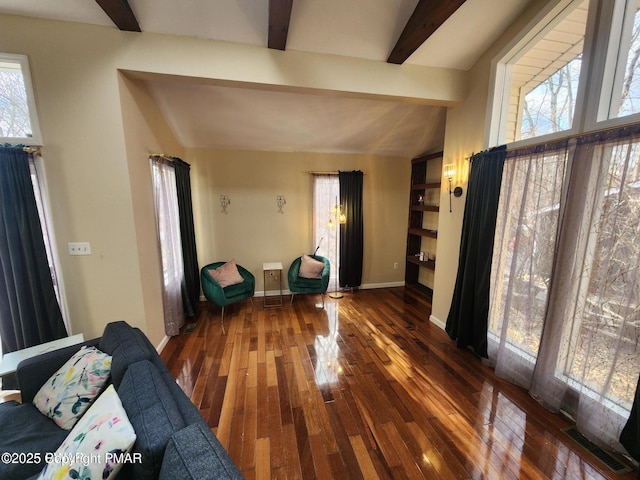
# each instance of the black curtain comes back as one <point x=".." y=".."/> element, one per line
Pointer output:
<point x="191" y="286"/>
<point x="630" y="435"/>
<point x="29" y="310"/>
<point x="467" y="320"/>
<point x="351" y="234"/>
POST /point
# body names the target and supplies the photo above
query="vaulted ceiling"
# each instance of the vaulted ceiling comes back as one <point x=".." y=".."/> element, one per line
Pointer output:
<point x="435" y="33"/>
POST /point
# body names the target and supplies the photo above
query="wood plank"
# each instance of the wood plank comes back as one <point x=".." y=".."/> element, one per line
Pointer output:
<point x="378" y="393"/>
<point x="120" y="13"/>
<point x="279" y="18"/>
<point x="425" y="20"/>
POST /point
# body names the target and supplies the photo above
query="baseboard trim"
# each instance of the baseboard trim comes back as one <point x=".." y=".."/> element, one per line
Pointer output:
<point x="163" y="344"/>
<point x="366" y="286"/>
<point x="372" y="286"/>
<point x="437" y="322"/>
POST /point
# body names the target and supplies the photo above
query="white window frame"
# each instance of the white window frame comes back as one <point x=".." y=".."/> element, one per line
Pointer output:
<point x="608" y="66"/>
<point x="601" y="63"/>
<point x="36" y="137"/>
<point x="51" y="239"/>
<point x="500" y="80"/>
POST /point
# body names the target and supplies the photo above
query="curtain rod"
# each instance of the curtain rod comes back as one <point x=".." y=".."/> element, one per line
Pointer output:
<point x="29" y="149"/>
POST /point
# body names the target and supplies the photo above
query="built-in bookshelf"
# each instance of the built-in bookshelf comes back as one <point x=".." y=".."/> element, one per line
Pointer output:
<point x="422" y="233"/>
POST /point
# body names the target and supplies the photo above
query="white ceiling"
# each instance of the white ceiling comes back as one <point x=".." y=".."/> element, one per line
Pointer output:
<point x="227" y="117"/>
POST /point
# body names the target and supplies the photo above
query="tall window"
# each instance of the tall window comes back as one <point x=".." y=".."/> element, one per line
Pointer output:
<point x="526" y="226"/>
<point x="326" y="193"/>
<point x="168" y="224"/>
<point x="541" y="78"/>
<point x="37" y="180"/>
<point x="565" y="314"/>
<point x="18" y="118"/>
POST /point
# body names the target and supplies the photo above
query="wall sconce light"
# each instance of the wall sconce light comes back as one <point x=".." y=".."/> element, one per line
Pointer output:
<point x="281" y="202"/>
<point x="449" y="171"/>
<point x="225" y="201"/>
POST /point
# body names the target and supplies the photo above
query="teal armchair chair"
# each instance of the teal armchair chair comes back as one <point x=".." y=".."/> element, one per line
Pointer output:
<point x="222" y="297"/>
<point x="298" y="284"/>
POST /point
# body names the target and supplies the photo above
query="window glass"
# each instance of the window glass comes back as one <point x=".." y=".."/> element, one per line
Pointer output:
<point x="326" y="192"/>
<point x="18" y="122"/>
<point x="600" y="339"/>
<point x="526" y="230"/>
<point x="626" y="86"/>
<point x="543" y="84"/>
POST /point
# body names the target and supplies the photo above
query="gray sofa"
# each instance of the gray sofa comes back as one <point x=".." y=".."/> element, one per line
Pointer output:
<point x="172" y="437"/>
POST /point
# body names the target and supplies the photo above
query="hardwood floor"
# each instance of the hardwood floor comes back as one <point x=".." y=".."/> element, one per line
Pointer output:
<point x="365" y="387"/>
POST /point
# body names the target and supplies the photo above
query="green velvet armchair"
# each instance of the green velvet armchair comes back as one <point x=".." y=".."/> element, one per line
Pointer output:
<point x="298" y="284"/>
<point x="222" y="297"/>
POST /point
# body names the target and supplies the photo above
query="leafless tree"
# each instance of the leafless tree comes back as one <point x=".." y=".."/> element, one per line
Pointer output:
<point x="14" y="112"/>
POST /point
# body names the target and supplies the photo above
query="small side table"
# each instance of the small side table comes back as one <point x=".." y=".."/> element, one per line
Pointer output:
<point x="272" y="273"/>
<point x="10" y="361"/>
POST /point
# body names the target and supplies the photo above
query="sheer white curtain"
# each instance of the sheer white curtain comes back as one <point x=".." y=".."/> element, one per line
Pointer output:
<point x="565" y="311"/>
<point x="524" y="247"/>
<point x="168" y="223"/>
<point x="326" y="189"/>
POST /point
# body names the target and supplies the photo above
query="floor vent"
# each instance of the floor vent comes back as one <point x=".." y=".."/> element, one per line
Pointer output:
<point x="613" y="464"/>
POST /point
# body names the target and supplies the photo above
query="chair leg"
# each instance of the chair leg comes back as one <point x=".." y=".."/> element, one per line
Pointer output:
<point x="292" y="295"/>
<point x="222" y="321"/>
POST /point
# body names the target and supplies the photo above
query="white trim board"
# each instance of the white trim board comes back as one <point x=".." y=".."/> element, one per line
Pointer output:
<point x="437" y="322"/>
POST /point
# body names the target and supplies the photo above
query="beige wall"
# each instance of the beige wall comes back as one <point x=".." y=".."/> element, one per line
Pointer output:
<point x="98" y="129"/>
<point x="145" y="130"/>
<point x="97" y="134"/>
<point x="252" y="232"/>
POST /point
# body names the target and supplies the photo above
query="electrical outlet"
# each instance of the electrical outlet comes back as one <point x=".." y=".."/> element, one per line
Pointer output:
<point x="395" y="265"/>
<point x="79" y="248"/>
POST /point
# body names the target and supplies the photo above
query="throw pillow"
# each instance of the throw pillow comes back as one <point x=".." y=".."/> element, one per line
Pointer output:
<point x="98" y="444"/>
<point x="227" y="274"/>
<point x="310" y="267"/>
<point x="68" y="392"/>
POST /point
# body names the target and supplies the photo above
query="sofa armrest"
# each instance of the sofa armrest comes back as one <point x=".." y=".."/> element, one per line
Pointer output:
<point x="194" y="453"/>
<point x="33" y="372"/>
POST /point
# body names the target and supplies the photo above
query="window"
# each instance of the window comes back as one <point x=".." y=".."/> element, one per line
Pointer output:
<point x="165" y="198"/>
<point x="540" y="78"/>
<point x="599" y="346"/>
<point x="326" y="192"/>
<point x="18" y="118"/>
<point x="565" y="298"/>
<point x="527" y="225"/>
<point x="623" y="66"/>
<point x="37" y="180"/>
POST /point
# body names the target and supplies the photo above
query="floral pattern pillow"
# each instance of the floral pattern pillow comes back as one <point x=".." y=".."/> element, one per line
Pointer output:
<point x="97" y="446"/>
<point x="70" y="391"/>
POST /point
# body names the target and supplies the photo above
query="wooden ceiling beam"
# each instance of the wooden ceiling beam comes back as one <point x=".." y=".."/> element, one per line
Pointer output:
<point x="120" y="14"/>
<point x="279" y="18"/>
<point x="426" y="19"/>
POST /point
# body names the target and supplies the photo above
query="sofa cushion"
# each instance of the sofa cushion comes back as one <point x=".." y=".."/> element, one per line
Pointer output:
<point x="125" y="346"/>
<point x="69" y="391"/>
<point x="237" y="289"/>
<point x="41" y="436"/>
<point x="97" y="444"/>
<point x="154" y="415"/>
<point x="196" y="442"/>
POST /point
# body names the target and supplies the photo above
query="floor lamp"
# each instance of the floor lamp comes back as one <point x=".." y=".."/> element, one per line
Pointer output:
<point x="336" y="218"/>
